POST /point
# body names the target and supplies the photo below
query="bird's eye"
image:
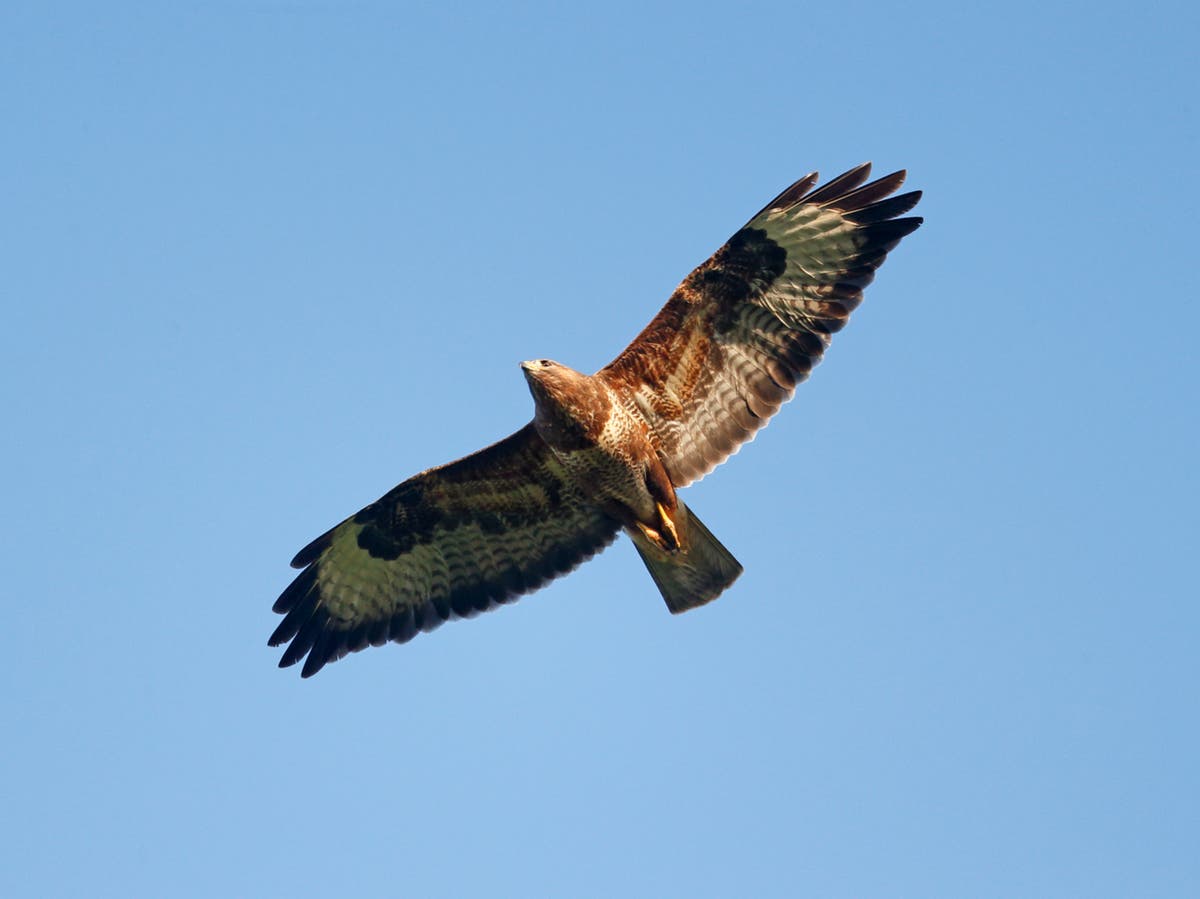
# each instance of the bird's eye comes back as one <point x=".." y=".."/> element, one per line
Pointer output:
<point x="545" y="362"/>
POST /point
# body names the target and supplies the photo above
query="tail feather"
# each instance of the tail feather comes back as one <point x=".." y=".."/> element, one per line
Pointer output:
<point x="693" y="576"/>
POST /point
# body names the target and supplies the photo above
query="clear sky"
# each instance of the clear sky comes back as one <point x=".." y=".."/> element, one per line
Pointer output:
<point x="262" y="261"/>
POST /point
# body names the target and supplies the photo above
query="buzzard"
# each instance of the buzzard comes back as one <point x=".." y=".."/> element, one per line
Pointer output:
<point x="608" y="452"/>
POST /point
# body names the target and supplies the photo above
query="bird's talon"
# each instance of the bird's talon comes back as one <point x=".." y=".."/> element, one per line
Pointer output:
<point x="669" y="527"/>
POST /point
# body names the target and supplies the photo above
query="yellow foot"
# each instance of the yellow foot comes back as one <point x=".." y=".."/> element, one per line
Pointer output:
<point x="652" y="535"/>
<point x="668" y="542"/>
<point x="668" y="526"/>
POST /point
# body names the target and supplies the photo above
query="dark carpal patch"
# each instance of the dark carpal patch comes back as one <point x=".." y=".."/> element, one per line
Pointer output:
<point x="747" y="265"/>
<point x="411" y="516"/>
<point x="491" y="523"/>
<point x="386" y="545"/>
<point x="400" y="521"/>
<point x="761" y="254"/>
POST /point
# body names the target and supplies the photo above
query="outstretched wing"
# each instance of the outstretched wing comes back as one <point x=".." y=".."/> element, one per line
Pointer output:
<point x="748" y="325"/>
<point x="449" y="543"/>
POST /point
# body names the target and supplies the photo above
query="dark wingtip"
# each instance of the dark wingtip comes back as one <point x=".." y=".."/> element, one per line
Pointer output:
<point x="842" y="184"/>
<point x="793" y="192"/>
<point x="309" y="554"/>
<point x="299" y="592"/>
<point x="902" y="227"/>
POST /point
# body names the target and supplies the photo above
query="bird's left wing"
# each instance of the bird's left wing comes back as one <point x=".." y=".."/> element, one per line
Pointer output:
<point x="448" y="543"/>
<point x="747" y="326"/>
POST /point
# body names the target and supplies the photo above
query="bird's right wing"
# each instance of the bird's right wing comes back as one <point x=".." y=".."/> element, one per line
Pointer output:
<point x="448" y="543"/>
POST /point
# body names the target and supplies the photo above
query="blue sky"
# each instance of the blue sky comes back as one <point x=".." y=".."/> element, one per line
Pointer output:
<point x="260" y="262"/>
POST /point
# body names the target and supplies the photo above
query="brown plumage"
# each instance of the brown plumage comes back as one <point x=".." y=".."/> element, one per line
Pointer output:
<point x="606" y="452"/>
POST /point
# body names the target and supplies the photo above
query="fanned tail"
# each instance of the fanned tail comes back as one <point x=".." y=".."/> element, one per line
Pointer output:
<point x="694" y="576"/>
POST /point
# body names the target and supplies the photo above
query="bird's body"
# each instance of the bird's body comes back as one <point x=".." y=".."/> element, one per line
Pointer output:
<point x="608" y="452"/>
<point x="604" y="447"/>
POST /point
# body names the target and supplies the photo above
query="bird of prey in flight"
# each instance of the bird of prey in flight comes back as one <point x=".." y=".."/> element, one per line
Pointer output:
<point x="608" y="452"/>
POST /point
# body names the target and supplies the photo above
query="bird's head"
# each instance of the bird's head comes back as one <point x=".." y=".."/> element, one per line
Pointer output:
<point x="533" y="367"/>
<point x="548" y="381"/>
<point x="568" y="404"/>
